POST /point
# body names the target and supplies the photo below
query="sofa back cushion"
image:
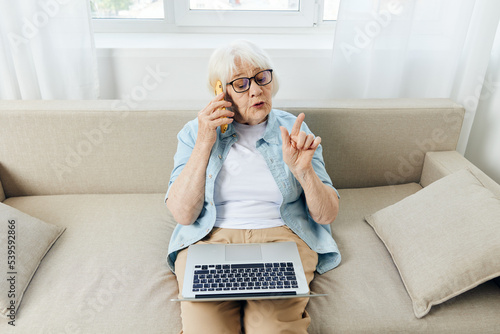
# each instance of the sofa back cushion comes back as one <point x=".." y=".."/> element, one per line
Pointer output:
<point x="71" y="147"/>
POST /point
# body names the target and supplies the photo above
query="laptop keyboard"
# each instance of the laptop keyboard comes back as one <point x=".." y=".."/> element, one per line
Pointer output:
<point x="244" y="276"/>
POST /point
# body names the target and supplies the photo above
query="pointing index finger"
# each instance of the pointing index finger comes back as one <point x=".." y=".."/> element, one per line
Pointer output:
<point x="297" y="124"/>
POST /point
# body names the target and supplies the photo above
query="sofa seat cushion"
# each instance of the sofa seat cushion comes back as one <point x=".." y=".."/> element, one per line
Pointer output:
<point x="366" y="293"/>
<point x="107" y="273"/>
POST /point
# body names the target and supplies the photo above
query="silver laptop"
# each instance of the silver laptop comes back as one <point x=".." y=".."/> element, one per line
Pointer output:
<point x="244" y="271"/>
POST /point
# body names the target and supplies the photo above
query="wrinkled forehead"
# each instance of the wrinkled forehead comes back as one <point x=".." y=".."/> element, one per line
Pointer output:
<point x="243" y="67"/>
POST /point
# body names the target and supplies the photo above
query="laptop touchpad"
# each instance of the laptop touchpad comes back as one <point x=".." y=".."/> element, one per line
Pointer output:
<point x="239" y="252"/>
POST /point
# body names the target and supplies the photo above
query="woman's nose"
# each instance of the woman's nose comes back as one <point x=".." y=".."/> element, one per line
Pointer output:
<point x="255" y="90"/>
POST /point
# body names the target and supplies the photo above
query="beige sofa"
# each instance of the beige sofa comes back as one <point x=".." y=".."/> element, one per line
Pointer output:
<point x="100" y="170"/>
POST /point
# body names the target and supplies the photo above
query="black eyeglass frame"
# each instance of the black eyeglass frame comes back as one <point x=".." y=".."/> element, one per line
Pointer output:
<point x="250" y="81"/>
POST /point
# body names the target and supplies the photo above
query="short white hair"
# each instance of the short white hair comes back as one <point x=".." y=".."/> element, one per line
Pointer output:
<point x="223" y="62"/>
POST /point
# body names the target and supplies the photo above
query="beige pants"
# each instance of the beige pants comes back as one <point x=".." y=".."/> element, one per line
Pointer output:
<point x="259" y="316"/>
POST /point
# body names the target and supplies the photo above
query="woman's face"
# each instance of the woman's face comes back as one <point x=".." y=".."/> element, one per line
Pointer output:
<point x="253" y="106"/>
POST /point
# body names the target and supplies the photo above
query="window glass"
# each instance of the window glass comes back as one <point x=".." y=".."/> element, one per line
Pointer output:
<point x="288" y="5"/>
<point x="127" y="9"/>
<point x="330" y="10"/>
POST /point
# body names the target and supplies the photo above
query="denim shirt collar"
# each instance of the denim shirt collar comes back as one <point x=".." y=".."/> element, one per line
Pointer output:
<point x="229" y="132"/>
<point x="271" y="135"/>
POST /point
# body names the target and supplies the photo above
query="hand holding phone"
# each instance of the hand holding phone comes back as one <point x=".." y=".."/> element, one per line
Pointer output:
<point x="218" y="90"/>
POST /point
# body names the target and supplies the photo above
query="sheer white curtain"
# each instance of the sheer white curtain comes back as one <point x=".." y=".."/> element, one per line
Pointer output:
<point x="47" y="50"/>
<point x="415" y="49"/>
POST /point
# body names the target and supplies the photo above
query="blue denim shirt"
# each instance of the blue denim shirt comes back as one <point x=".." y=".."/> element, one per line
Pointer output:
<point x="294" y="211"/>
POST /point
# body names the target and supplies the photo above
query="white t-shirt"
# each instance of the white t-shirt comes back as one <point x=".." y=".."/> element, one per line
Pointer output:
<point x="246" y="195"/>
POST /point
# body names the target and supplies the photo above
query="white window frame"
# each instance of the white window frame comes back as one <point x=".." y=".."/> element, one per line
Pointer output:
<point x="178" y="18"/>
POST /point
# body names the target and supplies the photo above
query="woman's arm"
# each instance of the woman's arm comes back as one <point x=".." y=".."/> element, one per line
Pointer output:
<point x="321" y="199"/>
<point x="298" y="151"/>
<point x="187" y="193"/>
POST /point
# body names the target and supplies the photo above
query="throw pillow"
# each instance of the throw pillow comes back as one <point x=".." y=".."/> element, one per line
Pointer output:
<point x="444" y="239"/>
<point x="24" y="241"/>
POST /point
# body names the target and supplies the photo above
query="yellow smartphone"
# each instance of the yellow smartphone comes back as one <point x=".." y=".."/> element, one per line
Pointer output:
<point x="218" y="90"/>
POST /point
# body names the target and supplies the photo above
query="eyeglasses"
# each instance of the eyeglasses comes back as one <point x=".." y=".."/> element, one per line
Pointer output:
<point x="262" y="78"/>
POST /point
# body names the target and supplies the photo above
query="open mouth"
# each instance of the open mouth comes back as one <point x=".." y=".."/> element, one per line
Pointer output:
<point x="258" y="105"/>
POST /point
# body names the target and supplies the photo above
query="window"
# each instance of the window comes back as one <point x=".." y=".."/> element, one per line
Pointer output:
<point x="287" y="5"/>
<point x="330" y="10"/>
<point x="246" y="13"/>
<point x="170" y="15"/>
<point x="127" y="9"/>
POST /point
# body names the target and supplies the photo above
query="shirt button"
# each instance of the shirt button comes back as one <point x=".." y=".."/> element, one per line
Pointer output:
<point x="209" y="176"/>
<point x="220" y="156"/>
<point x="211" y="203"/>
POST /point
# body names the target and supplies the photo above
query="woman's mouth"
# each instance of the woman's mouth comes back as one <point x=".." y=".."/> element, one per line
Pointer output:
<point x="258" y="104"/>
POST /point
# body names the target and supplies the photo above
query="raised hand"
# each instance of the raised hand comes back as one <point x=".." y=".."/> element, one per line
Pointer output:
<point x="298" y="147"/>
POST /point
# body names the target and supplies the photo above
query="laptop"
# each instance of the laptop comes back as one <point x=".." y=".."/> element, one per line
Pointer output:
<point x="217" y="272"/>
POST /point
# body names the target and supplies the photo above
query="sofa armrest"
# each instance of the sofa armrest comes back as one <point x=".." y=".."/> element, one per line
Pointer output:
<point x="439" y="164"/>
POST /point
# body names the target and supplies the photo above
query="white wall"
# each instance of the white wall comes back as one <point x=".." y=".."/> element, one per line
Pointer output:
<point x="302" y="63"/>
<point x="483" y="147"/>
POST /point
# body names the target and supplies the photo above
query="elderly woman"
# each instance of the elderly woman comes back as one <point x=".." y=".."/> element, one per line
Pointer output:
<point x="262" y="180"/>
